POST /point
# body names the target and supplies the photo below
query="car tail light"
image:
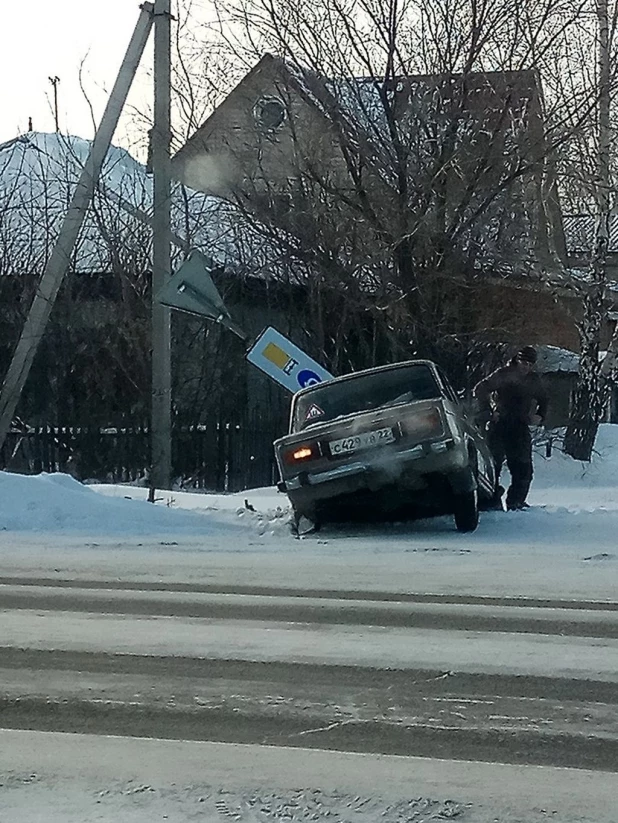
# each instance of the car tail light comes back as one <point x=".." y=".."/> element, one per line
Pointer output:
<point x="301" y="453"/>
<point x="425" y="423"/>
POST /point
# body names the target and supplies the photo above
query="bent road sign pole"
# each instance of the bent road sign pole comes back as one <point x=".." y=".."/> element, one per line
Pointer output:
<point x="191" y="289"/>
<point x="284" y="362"/>
<point x="56" y="267"/>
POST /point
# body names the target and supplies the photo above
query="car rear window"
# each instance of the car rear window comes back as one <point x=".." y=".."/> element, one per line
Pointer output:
<point x="327" y="401"/>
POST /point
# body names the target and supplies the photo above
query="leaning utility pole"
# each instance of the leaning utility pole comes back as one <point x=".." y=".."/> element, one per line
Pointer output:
<point x="58" y="262"/>
<point x="161" y="415"/>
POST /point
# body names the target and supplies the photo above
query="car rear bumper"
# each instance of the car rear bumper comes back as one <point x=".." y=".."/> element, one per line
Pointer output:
<point x="407" y="469"/>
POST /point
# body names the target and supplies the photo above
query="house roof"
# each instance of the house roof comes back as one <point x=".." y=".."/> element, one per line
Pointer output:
<point x="552" y="360"/>
<point x="38" y="173"/>
<point x="355" y="103"/>
<point x="353" y="106"/>
<point x="579" y="230"/>
<point x="361" y="97"/>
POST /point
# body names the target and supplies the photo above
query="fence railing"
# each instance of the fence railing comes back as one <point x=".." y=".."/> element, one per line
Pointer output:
<point x="224" y="456"/>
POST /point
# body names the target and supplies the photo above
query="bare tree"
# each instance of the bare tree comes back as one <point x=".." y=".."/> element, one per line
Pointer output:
<point x="592" y="391"/>
<point x="94" y="364"/>
<point x="433" y="178"/>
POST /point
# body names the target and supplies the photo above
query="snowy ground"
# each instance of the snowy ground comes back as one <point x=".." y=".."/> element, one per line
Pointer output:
<point x="567" y="496"/>
<point x="53" y="528"/>
<point x="564" y="547"/>
<point x="182" y="782"/>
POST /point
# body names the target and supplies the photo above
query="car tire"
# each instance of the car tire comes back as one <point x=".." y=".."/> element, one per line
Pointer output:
<point x="301" y="523"/>
<point x="466" y="511"/>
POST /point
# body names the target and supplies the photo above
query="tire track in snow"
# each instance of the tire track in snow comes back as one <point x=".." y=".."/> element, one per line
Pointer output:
<point x="582" y="622"/>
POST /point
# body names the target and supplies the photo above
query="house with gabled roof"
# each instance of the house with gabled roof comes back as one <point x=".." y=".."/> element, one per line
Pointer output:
<point x="284" y="129"/>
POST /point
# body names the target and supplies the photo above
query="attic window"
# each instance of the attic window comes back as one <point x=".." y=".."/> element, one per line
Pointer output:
<point x="269" y="113"/>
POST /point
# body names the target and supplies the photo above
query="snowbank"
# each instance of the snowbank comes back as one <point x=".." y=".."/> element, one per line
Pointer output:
<point x="573" y="503"/>
<point x="57" y="502"/>
<point x="561" y="481"/>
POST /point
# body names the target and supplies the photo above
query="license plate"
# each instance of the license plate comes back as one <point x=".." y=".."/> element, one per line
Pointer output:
<point x="366" y="440"/>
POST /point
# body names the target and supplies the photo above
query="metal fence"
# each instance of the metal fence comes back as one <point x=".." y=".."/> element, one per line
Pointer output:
<point x="225" y="456"/>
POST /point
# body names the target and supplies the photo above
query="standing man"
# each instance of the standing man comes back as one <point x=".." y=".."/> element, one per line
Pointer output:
<point x="512" y="399"/>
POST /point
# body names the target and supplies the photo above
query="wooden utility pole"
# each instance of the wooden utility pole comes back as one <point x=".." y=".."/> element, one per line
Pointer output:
<point x="56" y="267"/>
<point x="161" y="418"/>
<point x="54" y="81"/>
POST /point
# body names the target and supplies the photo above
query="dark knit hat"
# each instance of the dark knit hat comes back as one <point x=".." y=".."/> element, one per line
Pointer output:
<point x="527" y="354"/>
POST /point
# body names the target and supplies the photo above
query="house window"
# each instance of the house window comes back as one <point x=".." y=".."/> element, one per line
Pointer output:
<point x="269" y="113"/>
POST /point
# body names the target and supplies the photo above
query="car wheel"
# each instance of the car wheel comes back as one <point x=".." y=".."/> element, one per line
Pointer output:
<point x="466" y="511"/>
<point x="301" y="523"/>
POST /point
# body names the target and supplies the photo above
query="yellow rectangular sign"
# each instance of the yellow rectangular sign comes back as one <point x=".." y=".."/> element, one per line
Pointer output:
<point x="282" y="360"/>
<point x="276" y="355"/>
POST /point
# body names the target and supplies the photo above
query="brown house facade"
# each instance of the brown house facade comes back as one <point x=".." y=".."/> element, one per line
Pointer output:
<point x="283" y="126"/>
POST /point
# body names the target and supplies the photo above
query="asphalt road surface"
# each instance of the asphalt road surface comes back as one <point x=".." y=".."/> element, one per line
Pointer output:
<point x="496" y="680"/>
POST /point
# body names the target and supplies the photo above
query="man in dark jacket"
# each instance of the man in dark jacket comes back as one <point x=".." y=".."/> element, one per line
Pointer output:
<point x="512" y="399"/>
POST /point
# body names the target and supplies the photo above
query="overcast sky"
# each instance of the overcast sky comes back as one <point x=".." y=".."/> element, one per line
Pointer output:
<point x="48" y="38"/>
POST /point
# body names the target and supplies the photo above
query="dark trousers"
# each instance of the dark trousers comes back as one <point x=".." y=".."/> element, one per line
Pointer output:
<point x="510" y="440"/>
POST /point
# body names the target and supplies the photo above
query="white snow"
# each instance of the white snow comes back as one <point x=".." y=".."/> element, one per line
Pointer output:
<point x="564" y="548"/>
<point x="65" y="778"/>
<point x="57" y="502"/>
<point x="570" y="499"/>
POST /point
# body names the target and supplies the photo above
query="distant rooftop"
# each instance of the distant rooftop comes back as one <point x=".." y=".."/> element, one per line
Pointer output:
<point x="38" y="174"/>
<point x="579" y="232"/>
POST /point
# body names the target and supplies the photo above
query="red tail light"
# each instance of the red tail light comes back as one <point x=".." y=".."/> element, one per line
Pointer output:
<point x="301" y="453"/>
<point x="426" y="423"/>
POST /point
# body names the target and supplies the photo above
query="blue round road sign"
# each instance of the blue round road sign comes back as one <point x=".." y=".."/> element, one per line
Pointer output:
<point x="306" y="377"/>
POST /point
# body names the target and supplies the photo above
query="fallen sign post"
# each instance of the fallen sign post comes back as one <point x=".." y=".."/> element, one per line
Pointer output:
<point x="284" y="362"/>
<point x="191" y="289"/>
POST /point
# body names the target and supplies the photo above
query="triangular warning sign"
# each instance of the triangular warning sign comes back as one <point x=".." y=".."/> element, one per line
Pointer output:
<point x="191" y="289"/>
<point x="313" y="411"/>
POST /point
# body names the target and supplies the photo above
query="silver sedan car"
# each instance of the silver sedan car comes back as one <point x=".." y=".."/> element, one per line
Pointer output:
<point x="392" y="441"/>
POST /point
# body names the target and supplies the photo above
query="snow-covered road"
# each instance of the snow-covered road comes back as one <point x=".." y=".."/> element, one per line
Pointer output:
<point x="519" y="683"/>
<point x="383" y="647"/>
<point x="202" y="619"/>
<point x="82" y="779"/>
